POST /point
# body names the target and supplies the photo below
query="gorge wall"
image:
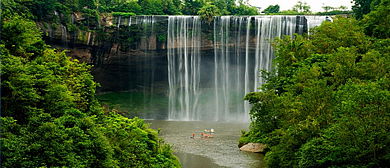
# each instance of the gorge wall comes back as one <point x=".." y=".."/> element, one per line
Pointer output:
<point x="204" y="69"/>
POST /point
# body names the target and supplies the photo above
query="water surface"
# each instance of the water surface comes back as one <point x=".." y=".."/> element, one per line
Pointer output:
<point x="220" y="151"/>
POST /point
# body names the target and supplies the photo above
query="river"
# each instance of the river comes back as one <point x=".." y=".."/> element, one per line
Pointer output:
<point x="219" y="151"/>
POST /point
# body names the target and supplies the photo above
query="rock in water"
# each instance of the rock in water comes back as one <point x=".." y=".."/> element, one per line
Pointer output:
<point x="254" y="147"/>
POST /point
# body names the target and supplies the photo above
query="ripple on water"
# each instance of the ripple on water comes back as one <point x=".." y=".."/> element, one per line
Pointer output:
<point x="222" y="150"/>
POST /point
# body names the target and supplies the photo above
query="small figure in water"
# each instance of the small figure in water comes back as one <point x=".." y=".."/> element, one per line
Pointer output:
<point x="193" y="135"/>
<point x="201" y="134"/>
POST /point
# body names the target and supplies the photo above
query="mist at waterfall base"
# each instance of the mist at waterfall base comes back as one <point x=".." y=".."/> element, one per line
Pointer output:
<point x="204" y="70"/>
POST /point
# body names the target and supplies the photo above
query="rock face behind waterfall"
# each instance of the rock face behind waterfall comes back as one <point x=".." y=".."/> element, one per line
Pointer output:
<point x="203" y="69"/>
<point x="125" y="52"/>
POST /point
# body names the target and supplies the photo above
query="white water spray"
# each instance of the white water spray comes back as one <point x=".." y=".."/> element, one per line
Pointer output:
<point x="241" y="49"/>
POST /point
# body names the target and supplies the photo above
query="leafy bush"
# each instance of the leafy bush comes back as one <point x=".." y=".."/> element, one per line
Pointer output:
<point x="326" y="103"/>
<point x="376" y="23"/>
<point x="126" y="15"/>
<point x="208" y="12"/>
<point x="334" y="12"/>
<point x="51" y="117"/>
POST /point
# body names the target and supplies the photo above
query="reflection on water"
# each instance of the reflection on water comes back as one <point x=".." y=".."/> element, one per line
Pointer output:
<point x="219" y="151"/>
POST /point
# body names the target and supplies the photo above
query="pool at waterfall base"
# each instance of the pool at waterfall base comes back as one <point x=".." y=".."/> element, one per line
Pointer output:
<point x="220" y="151"/>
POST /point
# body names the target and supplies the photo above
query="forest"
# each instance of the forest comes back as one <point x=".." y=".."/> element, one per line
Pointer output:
<point x="50" y="116"/>
<point x="326" y="103"/>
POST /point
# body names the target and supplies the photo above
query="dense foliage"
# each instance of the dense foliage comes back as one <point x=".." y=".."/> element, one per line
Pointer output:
<point x="51" y="118"/>
<point x="91" y="9"/>
<point x="303" y="8"/>
<point x="272" y="9"/>
<point x="208" y="12"/>
<point x="376" y="23"/>
<point x="80" y="19"/>
<point x="327" y="102"/>
<point x="362" y="7"/>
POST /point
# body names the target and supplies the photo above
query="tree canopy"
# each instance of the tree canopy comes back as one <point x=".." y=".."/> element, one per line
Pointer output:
<point x="326" y="103"/>
<point x="208" y="12"/>
<point x="51" y="117"/>
<point x="362" y="7"/>
<point x="301" y="7"/>
<point x="272" y="9"/>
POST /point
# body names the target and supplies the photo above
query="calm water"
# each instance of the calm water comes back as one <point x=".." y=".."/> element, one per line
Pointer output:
<point x="220" y="151"/>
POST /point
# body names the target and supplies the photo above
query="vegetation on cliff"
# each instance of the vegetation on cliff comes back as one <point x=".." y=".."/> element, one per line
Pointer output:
<point x="79" y="19"/>
<point x="326" y="104"/>
<point x="51" y="117"/>
<point x="303" y="8"/>
<point x="47" y="9"/>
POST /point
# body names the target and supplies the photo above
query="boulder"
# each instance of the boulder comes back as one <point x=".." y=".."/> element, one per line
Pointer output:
<point x="254" y="147"/>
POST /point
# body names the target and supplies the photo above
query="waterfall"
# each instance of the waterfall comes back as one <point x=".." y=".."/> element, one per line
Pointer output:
<point x="119" y="21"/>
<point x="72" y="18"/>
<point x="184" y="67"/>
<point x="147" y="65"/>
<point x="234" y="79"/>
<point x="246" y="82"/>
<point x="64" y="36"/>
<point x="198" y="91"/>
<point x="313" y="21"/>
<point x="226" y="62"/>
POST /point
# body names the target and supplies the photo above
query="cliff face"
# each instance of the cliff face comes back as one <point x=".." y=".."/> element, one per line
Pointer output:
<point x="130" y="54"/>
<point x="127" y="54"/>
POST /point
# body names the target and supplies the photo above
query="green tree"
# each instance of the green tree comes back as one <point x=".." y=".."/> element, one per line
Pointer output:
<point x="231" y="6"/>
<point x="191" y="7"/>
<point x="362" y="7"/>
<point x="301" y="7"/>
<point x="245" y="9"/>
<point x="128" y="7"/>
<point x="208" y="12"/>
<point x="272" y="9"/>
<point x="326" y="89"/>
<point x="377" y="22"/>
<point x="41" y="9"/>
<point x="327" y="8"/>
<point x="170" y="8"/>
<point x="178" y="4"/>
<point x="222" y="5"/>
<point x="151" y="7"/>
<point x="51" y="117"/>
<point x="342" y="7"/>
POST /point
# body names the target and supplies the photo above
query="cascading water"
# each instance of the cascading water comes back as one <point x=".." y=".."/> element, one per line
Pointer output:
<point x="241" y="49"/>
<point x="228" y="67"/>
<point x="313" y="21"/>
<point x="147" y="24"/>
<point x="119" y="21"/>
<point x="64" y="36"/>
<point x="184" y="67"/>
<point x="204" y="69"/>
